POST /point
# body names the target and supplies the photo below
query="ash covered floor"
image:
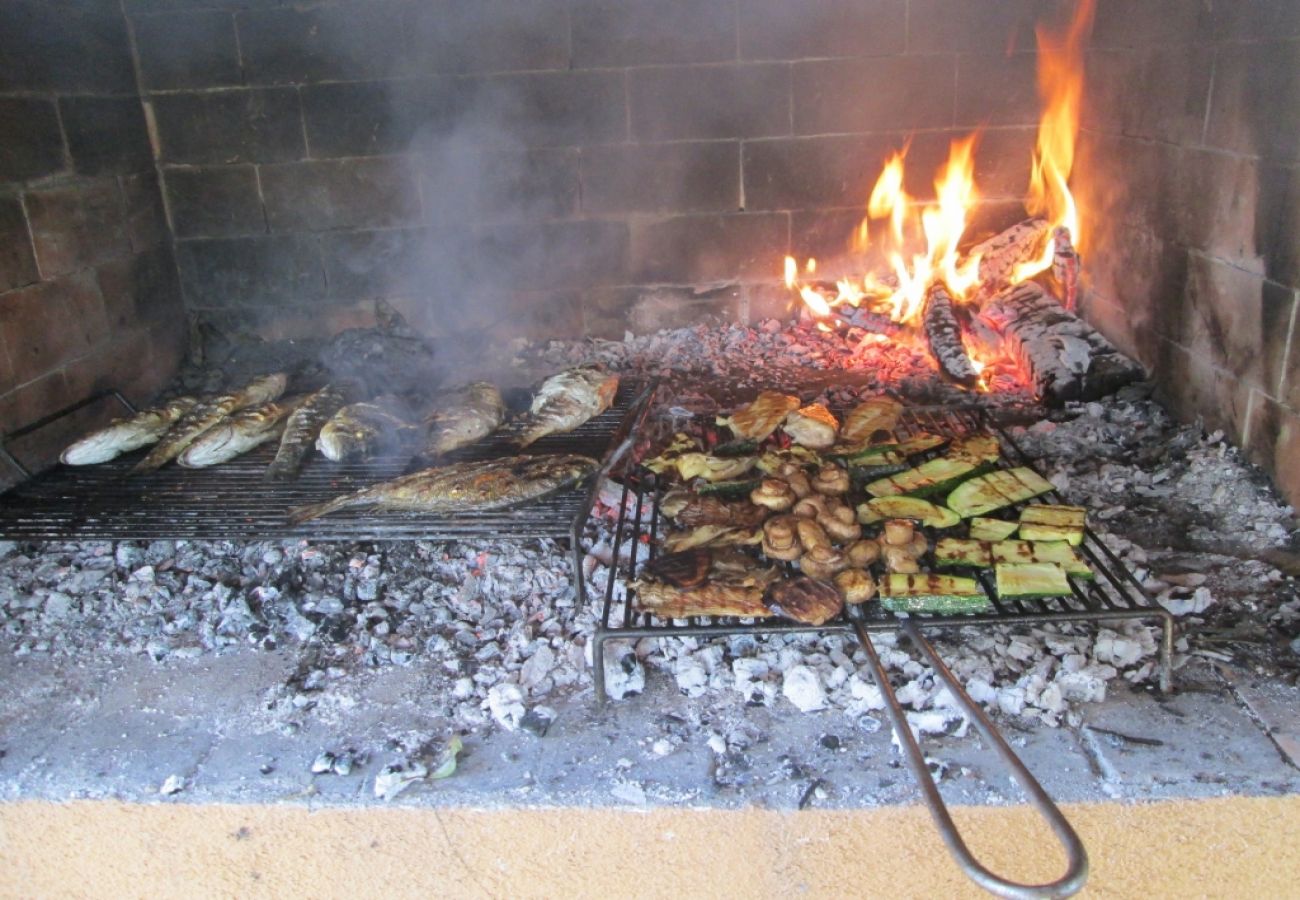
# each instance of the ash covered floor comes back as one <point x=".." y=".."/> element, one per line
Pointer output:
<point x="291" y="671"/>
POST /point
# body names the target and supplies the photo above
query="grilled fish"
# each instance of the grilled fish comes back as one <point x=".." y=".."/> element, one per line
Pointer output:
<point x="208" y="413"/>
<point x="362" y="430"/>
<point x="301" y="429"/>
<point x="759" y="419"/>
<point x="236" y="435"/>
<point x="463" y="487"/>
<point x="464" y="416"/>
<point x="567" y="400"/>
<point x="126" y="434"/>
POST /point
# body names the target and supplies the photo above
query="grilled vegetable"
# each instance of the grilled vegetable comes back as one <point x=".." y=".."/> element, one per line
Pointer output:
<point x="759" y="419"/>
<point x="933" y="594"/>
<point x="856" y="585"/>
<point x="773" y="461"/>
<point x="812" y="426"/>
<point x="126" y="434"/>
<point x="982" y="529"/>
<point x="1029" y="580"/>
<point x="774" y="494"/>
<point x="933" y="477"/>
<point x="567" y="400"/>
<point x="923" y="511"/>
<point x="711" y="536"/>
<point x="729" y="490"/>
<point x="736" y="448"/>
<point x="712" y="468"/>
<point x="986" y="554"/>
<point x="1040" y="522"/>
<point x="781" y="538"/>
<point x="831" y="480"/>
<point x="985" y="493"/>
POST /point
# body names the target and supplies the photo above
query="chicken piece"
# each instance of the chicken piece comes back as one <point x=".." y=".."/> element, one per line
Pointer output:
<point x="760" y="418"/>
<point x="812" y="426"/>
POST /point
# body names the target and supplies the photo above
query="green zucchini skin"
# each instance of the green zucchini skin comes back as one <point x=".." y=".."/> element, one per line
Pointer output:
<point x="923" y="511"/>
<point x="729" y="490"/>
<point x="937" y="476"/>
<point x="933" y="594"/>
<point x="967" y="553"/>
<point x="995" y="490"/>
<point x="736" y="448"/>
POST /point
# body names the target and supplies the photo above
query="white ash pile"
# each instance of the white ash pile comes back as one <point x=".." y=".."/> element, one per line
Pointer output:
<point x="477" y="617"/>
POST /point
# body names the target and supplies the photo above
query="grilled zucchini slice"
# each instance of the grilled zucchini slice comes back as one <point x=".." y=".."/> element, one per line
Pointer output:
<point x="1040" y="522"/>
<point x="933" y="477"/>
<point x="933" y="594"/>
<point x="982" y="529"/>
<point x="963" y="552"/>
<point x="729" y="490"/>
<point x="994" y="490"/>
<point x="922" y="511"/>
<point x="1029" y="580"/>
<point x="976" y="448"/>
<point x="959" y="552"/>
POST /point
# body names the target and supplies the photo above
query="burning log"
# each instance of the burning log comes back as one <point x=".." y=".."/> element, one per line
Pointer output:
<point x="1063" y="356"/>
<point x="944" y="334"/>
<point x="1065" y="266"/>
<point x="1000" y="254"/>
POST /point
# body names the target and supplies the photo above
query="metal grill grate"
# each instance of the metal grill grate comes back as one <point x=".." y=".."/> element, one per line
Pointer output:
<point x="1113" y="594"/>
<point x="232" y="501"/>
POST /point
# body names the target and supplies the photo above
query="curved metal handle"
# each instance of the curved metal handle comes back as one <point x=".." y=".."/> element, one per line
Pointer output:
<point x="1077" y="871"/>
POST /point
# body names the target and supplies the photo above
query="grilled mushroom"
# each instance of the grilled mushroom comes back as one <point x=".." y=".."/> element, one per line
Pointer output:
<point x="781" y="538"/>
<point x="898" y="532"/>
<point x="796" y="478"/>
<point x="822" y="561"/>
<point x="811" y="534"/>
<point x="900" y="560"/>
<point x="811" y="507"/>
<point x="856" y="585"/>
<point x="918" y="545"/>
<point x="863" y="553"/>
<point x="840" y="522"/>
<point x="831" y="480"/>
<point x="774" y="494"/>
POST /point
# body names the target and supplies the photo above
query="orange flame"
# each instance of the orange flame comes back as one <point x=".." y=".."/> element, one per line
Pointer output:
<point x="1060" y="86"/>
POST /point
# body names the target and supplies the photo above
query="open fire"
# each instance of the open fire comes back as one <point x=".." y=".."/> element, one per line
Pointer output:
<point x="931" y="276"/>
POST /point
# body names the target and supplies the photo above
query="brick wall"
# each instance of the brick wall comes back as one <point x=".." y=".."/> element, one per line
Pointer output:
<point x="1194" y="181"/>
<point x="88" y="287"/>
<point x="553" y="166"/>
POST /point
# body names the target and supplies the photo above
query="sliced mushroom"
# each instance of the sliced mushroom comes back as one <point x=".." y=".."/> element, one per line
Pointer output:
<point x="856" y="585"/>
<point x="781" y="538"/>
<point x="831" y="480"/>
<point x="900" y="560"/>
<point x="823" y="561"/>
<point x="898" y="532"/>
<point x="774" y="494"/>
<point x="811" y="534"/>
<point x="863" y="553"/>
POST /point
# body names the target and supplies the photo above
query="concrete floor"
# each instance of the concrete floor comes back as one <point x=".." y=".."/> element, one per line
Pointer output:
<point x="119" y="727"/>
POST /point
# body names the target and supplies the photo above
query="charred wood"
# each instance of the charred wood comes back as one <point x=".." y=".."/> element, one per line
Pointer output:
<point x="943" y="331"/>
<point x="1065" y="267"/>
<point x="1063" y="356"/>
<point x="1000" y="254"/>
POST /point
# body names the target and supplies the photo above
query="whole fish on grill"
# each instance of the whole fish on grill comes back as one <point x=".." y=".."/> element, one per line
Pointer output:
<point x="362" y="430"/>
<point x="463" y="487"/>
<point x="126" y="434"/>
<point x="301" y="429"/>
<point x="462" y="417"/>
<point x="236" y="434"/>
<point x="567" y="400"/>
<point x="207" y="413"/>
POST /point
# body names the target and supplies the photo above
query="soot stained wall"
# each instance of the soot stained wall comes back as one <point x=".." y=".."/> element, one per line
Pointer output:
<point x="1190" y="168"/>
<point x="554" y="166"/>
<point x="89" y="296"/>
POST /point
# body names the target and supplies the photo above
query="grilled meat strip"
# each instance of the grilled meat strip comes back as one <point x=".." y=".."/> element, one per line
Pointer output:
<point x="126" y="434"/>
<point x="463" y="487"/>
<point x="236" y="435"/>
<point x="208" y="413"/>
<point x="761" y="417"/>
<point x="567" y="400"/>
<point x="362" y="430"/>
<point x="733" y="586"/>
<point x="462" y="417"/>
<point x="301" y="429"/>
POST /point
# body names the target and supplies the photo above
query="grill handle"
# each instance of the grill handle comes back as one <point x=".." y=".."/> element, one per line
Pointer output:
<point x="40" y="423"/>
<point x="1076" y="873"/>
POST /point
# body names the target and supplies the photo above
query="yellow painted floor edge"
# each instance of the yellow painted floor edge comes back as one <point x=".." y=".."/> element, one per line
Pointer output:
<point x="1230" y="847"/>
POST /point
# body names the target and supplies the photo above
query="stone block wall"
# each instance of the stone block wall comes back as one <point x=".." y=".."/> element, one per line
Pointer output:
<point x="554" y="167"/>
<point x="1190" y="169"/>
<point x="89" y="295"/>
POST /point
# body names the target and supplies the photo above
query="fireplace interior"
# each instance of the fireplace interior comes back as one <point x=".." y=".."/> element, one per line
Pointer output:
<point x="710" y="197"/>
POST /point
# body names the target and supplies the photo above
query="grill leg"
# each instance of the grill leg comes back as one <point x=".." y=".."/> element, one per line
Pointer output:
<point x="1166" y="652"/>
<point x="598" y="663"/>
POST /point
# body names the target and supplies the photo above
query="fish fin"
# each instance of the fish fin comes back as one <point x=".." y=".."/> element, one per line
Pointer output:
<point x="300" y="514"/>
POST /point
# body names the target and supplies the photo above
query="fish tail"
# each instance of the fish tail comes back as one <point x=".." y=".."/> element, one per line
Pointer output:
<point x="300" y="514"/>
